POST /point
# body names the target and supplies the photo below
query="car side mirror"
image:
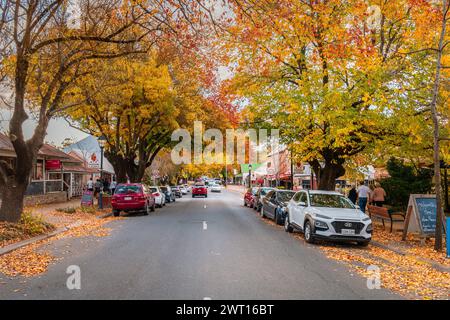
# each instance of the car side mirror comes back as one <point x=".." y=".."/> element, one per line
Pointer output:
<point x="302" y="204"/>
<point x="358" y="207"/>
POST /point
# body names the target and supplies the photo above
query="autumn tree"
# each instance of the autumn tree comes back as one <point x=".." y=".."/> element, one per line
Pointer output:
<point x="45" y="45"/>
<point x="130" y="101"/>
<point x="332" y="75"/>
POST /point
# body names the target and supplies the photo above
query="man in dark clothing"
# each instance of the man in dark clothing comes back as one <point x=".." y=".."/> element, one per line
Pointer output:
<point x="353" y="195"/>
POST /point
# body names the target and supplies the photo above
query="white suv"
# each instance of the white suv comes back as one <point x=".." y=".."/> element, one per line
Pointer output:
<point x="327" y="215"/>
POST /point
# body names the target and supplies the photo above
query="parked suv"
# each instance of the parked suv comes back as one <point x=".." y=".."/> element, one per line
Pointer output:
<point x="327" y="215"/>
<point x="176" y="190"/>
<point x="258" y="197"/>
<point x="170" y="196"/>
<point x="160" y="198"/>
<point x="274" y="205"/>
<point x="132" y="197"/>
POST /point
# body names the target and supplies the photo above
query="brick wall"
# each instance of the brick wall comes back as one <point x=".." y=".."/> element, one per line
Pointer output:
<point x="53" y="197"/>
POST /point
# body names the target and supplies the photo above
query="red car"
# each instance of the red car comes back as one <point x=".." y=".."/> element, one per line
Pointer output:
<point x="249" y="196"/>
<point x="132" y="197"/>
<point x="199" y="190"/>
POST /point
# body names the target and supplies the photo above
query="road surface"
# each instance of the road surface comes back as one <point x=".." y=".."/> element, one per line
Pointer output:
<point x="212" y="248"/>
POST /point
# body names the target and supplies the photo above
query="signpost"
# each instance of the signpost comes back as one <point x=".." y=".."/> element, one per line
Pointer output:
<point x="421" y="215"/>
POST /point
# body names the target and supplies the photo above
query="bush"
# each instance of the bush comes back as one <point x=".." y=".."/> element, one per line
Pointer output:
<point x="404" y="180"/>
<point x="33" y="225"/>
<point x="88" y="209"/>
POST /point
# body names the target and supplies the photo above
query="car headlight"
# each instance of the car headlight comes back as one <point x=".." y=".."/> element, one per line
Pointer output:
<point x="321" y="225"/>
<point x="369" y="228"/>
<point x="366" y="218"/>
<point x="322" y="216"/>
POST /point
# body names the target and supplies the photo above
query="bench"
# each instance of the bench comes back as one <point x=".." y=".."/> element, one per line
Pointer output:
<point x="383" y="213"/>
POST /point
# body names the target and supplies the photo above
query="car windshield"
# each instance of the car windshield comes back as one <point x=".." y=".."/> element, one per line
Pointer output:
<point x="285" y="196"/>
<point x="264" y="191"/>
<point x="163" y="189"/>
<point x="154" y="190"/>
<point x="128" y="189"/>
<point x="330" y="201"/>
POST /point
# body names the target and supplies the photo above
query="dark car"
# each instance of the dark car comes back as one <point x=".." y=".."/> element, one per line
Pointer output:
<point x="259" y="195"/>
<point x="170" y="196"/>
<point x="176" y="190"/>
<point x="132" y="197"/>
<point x="274" y="205"/>
<point x="249" y="196"/>
<point x="199" y="190"/>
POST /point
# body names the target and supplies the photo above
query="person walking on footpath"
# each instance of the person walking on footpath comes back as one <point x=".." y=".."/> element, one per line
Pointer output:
<point x="363" y="196"/>
<point x="113" y="185"/>
<point x="378" y="195"/>
<point x="90" y="185"/>
<point x="352" y="194"/>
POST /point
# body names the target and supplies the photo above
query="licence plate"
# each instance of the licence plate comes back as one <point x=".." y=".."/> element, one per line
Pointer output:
<point x="128" y="198"/>
<point x="348" y="231"/>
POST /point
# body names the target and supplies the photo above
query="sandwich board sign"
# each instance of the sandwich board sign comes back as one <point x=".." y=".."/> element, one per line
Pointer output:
<point x="87" y="199"/>
<point x="421" y="215"/>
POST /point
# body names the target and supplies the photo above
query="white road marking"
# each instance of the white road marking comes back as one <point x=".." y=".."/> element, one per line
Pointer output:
<point x="204" y="206"/>
<point x="207" y="298"/>
<point x="205" y="226"/>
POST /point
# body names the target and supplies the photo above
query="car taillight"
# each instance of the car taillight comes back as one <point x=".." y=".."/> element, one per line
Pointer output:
<point x="156" y="194"/>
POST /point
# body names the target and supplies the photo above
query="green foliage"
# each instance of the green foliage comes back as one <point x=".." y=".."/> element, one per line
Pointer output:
<point x="404" y="180"/>
<point x="69" y="210"/>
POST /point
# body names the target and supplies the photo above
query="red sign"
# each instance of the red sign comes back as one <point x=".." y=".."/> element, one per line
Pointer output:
<point x="52" y="164"/>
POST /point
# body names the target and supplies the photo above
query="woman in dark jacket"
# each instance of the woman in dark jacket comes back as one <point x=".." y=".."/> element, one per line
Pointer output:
<point x="353" y="195"/>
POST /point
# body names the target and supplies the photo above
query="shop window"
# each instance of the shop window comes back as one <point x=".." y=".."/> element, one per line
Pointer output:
<point x="38" y="172"/>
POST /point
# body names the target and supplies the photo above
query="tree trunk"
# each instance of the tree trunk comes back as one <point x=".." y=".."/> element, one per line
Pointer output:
<point x="12" y="201"/>
<point x="435" y="117"/>
<point x="327" y="175"/>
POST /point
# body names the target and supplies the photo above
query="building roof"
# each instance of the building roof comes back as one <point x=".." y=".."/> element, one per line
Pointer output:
<point x="48" y="151"/>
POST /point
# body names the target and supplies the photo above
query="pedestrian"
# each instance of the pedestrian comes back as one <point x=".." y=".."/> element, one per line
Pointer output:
<point x="106" y="185"/>
<point x="90" y="185"/>
<point x="352" y="194"/>
<point x="113" y="185"/>
<point x="97" y="187"/>
<point x="363" y="196"/>
<point x="378" y="195"/>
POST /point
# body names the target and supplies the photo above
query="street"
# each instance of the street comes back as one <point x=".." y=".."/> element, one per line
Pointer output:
<point x="213" y="248"/>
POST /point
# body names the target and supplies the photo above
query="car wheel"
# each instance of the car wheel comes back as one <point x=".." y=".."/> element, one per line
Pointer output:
<point x="261" y="212"/>
<point x="193" y="196"/>
<point x="245" y="203"/>
<point x="308" y="232"/>
<point x="153" y="207"/>
<point x="287" y="225"/>
<point x="116" y="213"/>
<point x="363" y="243"/>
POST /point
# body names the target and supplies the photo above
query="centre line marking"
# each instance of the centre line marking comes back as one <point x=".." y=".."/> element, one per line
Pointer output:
<point x="204" y="206"/>
<point x="205" y="226"/>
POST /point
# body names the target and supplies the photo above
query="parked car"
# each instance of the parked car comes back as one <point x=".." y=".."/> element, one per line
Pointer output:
<point x="274" y="205"/>
<point x="160" y="198"/>
<point x="249" y="197"/>
<point x="183" y="189"/>
<point x="170" y="196"/>
<point x="327" y="215"/>
<point x="131" y="197"/>
<point x="216" y="187"/>
<point x="262" y="191"/>
<point x="188" y="187"/>
<point x="199" y="190"/>
<point x="176" y="190"/>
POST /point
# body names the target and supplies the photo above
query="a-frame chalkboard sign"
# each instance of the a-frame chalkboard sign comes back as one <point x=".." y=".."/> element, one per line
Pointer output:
<point x="421" y="215"/>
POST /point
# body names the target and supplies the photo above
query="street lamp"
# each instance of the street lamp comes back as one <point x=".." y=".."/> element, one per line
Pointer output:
<point x="101" y="143"/>
<point x="249" y="175"/>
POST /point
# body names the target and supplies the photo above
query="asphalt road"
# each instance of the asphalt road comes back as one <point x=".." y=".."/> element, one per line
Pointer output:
<point x="193" y="249"/>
